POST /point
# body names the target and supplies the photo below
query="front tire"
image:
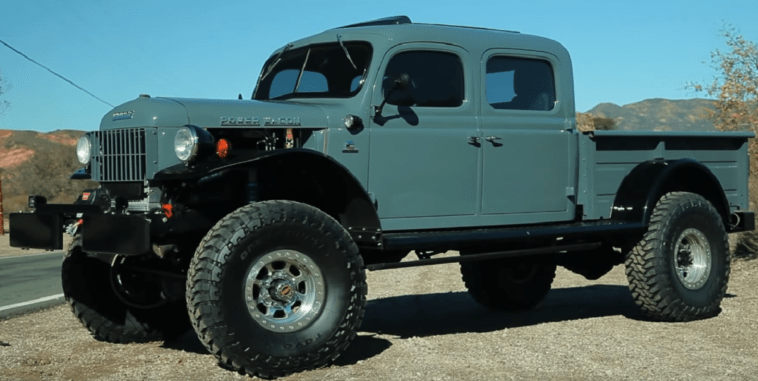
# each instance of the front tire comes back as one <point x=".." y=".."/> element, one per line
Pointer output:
<point x="276" y="287"/>
<point x="118" y="305"/>
<point x="680" y="269"/>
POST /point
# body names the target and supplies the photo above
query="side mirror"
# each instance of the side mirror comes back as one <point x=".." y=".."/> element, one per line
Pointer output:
<point x="400" y="83"/>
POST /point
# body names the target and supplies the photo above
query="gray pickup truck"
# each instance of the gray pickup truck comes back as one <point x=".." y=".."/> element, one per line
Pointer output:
<point x="254" y="221"/>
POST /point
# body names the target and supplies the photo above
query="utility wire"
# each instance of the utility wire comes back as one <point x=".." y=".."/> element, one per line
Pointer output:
<point x="56" y="74"/>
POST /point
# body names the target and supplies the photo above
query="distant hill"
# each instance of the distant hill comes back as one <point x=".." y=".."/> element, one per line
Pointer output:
<point x="40" y="164"/>
<point x="658" y="114"/>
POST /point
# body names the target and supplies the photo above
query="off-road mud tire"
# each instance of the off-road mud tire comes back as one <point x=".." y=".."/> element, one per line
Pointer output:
<point x="218" y="298"/>
<point x="511" y="284"/>
<point x="651" y="269"/>
<point x="87" y="288"/>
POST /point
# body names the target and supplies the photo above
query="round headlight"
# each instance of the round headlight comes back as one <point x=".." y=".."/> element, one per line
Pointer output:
<point x="83" y="149"/>
<point x="185" y="144"/>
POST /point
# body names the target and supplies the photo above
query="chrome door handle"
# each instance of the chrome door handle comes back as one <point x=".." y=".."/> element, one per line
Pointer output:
<point x="473" y="139"/>
<point x="492" y="139"/>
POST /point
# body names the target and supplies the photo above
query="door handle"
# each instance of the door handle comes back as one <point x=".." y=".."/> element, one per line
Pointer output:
<point x="473" y="140"/>
<point x="492" y="139"/>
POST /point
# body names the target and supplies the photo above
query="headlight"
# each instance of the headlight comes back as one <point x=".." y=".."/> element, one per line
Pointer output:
<point x="83" y="149"/>
<point x="185" y="144"/>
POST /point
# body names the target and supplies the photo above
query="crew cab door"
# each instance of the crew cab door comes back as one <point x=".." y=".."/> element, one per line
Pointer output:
<point x="529" y="148"/>
<point x="424" y="150"/>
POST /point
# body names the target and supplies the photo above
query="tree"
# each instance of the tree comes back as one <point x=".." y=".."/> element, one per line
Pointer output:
<point x="602" y="123"/>
<point x="735" y="86"/>
<point x="588" y="122"/>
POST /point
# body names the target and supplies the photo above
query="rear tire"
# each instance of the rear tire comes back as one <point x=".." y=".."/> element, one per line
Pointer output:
<point x="680" y="269"/>
<point x="88" y="286"/>
<point x="276" y="287"/>
<point x="511" y="284"/>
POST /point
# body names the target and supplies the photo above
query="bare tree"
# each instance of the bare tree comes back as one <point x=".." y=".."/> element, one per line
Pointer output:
<point x="735" y="89"/>
<point x="735" y="86"/>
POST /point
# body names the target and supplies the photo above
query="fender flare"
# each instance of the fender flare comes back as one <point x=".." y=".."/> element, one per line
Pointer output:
<point x="649" y="181"/>
<point x="357" y="214"/>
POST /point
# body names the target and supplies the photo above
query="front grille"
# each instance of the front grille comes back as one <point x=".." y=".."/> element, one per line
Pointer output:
<point x="119" y="155"/>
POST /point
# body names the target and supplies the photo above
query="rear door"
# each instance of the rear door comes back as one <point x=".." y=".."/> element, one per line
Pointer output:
<point x="528" y="144"/>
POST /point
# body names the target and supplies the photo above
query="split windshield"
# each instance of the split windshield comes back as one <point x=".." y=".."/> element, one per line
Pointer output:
<point x="333" y="70"/>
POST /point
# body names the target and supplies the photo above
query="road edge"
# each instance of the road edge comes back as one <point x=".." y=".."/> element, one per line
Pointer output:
<point x="22" y="308"/>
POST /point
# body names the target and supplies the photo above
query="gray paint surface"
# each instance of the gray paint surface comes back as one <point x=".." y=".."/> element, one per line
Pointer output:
<point x="606" y="159"/>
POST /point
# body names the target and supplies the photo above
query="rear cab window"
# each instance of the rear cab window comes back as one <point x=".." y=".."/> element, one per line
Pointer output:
<point x="516" y="83"/>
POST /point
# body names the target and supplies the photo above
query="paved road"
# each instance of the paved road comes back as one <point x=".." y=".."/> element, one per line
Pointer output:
<point x="29" y="277"/>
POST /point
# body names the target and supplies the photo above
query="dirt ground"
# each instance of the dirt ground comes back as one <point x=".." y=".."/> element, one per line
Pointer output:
<point x="421" y="325"/>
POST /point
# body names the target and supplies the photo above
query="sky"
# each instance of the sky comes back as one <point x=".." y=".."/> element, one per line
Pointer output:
<point x="622" y="51"/>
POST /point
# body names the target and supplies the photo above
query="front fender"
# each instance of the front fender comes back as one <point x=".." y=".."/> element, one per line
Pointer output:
<point x="349" y="201"/>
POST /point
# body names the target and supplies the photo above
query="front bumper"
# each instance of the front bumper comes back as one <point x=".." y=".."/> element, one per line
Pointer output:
<point x="101" y="233"/>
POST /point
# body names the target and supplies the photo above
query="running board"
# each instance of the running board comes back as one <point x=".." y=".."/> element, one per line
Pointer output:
<point x="484" y="256"/>
<point x="460" y="239"/>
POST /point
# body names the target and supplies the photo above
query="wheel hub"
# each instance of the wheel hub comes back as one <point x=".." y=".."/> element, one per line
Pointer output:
<point x="284" y="291"/>
<point x="692" y="258"/>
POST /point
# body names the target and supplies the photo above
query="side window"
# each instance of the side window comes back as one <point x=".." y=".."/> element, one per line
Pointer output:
<point x="285" y="80"/>
<point x="520" y="84"/>
<point x="356" y="83"/>
<point x="436" y="79"/>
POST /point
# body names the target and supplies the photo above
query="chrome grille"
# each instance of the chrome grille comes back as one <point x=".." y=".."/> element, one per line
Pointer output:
<point x="119" y="155"/>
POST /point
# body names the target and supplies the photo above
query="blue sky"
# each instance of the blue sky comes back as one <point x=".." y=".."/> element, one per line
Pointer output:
<point x="623" y="52"/>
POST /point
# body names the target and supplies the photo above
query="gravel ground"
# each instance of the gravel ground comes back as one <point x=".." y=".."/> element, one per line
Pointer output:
<point x="421" y="324"/>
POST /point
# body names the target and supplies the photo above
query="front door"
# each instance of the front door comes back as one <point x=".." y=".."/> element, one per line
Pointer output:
<point x="424" y="150"/>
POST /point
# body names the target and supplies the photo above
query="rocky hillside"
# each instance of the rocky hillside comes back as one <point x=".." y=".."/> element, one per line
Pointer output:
<point x="38" y="163"/>
<point x="658" y="115"/>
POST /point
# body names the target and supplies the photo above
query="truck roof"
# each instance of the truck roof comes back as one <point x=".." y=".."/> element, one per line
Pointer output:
<point x="400" y="29"/>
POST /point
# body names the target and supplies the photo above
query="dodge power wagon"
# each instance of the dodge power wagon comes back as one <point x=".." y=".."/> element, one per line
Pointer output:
<point x="255" y="221"/>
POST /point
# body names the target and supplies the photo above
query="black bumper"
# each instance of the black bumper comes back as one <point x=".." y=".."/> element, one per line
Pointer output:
<point x="101" y="233"/>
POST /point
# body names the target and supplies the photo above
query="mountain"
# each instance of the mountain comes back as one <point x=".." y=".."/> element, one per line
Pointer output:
<point x="658" y="114"/>
<point x="40" y="164"/>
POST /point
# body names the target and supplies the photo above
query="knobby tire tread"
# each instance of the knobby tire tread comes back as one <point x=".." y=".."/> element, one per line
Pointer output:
<point x="103" y="329"/>
<point x="205" y="275"/>
<point x="654" y="293"/>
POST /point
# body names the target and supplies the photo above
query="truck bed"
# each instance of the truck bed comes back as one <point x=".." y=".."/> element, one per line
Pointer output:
<point x="607" y="157"/>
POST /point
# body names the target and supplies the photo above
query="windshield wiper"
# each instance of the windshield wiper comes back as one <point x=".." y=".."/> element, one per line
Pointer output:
<point x="339" y="39"/>
<point x="302" y="70"/>
<point x="271" y="67"/>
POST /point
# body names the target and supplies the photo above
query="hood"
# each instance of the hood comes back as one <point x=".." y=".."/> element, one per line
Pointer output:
<point x="145" y="112"/>
<point x="173" y="112"/>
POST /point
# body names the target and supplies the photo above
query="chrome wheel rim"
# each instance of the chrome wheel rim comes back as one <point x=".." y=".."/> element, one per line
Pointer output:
<point x="692" y="258"/>
<point x="284" y="291"/>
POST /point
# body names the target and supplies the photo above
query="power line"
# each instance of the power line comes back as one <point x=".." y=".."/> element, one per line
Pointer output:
<point x="56" y="74"/>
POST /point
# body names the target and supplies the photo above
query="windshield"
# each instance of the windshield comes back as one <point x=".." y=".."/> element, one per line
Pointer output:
<point x="316" y="71"/>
